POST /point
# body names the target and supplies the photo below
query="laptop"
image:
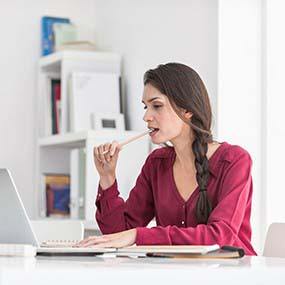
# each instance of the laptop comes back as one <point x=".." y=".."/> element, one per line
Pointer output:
<point x="16" y="227"/>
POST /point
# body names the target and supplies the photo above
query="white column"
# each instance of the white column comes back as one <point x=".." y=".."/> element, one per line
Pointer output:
<point x="239" y="97"/>
<point x="275" y="109"/>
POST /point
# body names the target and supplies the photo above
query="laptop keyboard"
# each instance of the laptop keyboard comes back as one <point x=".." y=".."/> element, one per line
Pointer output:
<point x="59" y="243"/>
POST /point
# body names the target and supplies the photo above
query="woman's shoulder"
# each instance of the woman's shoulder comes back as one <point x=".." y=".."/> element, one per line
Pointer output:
<point x="234" y="153"/>
<point x="159" y="159"/>
<point x="162" y="153"/>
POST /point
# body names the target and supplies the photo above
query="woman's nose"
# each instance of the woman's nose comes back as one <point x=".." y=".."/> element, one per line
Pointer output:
<point x="147" y="117"/>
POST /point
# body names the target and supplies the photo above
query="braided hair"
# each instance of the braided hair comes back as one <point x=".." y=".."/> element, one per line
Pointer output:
<point x="186" y="91"/>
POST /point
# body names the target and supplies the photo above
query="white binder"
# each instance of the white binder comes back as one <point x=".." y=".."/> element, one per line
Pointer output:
<point x="91" y="93"/>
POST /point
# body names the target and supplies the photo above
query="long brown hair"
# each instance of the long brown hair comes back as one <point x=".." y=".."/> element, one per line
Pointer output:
<point x="186" y="91"/>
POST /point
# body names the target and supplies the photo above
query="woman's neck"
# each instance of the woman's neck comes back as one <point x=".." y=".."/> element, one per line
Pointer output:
<point x="184" y="157"/>
<point x="184" y="154"/>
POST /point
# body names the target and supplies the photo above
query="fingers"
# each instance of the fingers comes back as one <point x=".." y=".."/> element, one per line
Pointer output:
<point x="120" y="239"/>
<point x="96" y="153"/>
<point x="108" y="244"/>
<point x="91" y="241"/>
<point x="105" y="152"/>
<point x="98" y="241"/>
<point x="115" y="148"/>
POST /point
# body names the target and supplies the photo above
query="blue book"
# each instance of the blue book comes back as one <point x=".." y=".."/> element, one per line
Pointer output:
<point x="58" y="197"/>
<point x="47" y="33"/>
<point x="61" y="198"/>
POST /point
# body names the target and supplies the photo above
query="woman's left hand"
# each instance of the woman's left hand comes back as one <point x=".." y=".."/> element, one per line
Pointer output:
<point x="121" y="239"/>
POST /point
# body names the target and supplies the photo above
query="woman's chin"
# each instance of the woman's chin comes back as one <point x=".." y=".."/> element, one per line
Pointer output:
<point x="155" y="141"/>
<point x="158" y="141"/>
<point x="158" y="138"/>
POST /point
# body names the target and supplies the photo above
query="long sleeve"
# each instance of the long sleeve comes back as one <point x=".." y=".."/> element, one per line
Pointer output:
<point x="114" y="214"/>
<point x="234" y="200"/>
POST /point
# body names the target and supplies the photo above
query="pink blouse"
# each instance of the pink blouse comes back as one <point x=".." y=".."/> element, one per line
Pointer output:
<point x="155" y="196"/>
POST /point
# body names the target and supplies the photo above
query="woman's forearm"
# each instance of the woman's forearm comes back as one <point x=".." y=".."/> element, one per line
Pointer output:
<point x="107" y="181"/>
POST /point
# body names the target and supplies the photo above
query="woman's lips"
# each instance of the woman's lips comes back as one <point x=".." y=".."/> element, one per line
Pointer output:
<point x="153" y="132"/>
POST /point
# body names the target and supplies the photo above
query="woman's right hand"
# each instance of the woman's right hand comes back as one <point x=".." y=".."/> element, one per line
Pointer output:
<point x="106" y="163"/>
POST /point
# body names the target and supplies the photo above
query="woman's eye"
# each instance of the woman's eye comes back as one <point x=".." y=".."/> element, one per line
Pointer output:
<point x="154" y="106"/>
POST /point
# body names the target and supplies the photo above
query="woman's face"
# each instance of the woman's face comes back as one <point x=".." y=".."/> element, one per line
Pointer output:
<point x="160" y="116"/>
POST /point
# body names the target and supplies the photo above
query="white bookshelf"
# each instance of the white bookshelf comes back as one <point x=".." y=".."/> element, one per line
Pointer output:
<point x="60" y="65"/>
<point x="53" y="153"/>
<point x="54" y="157"/>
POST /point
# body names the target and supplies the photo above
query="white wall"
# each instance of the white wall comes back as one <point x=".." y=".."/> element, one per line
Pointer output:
<point x="148" y="33"/>
<point x="239" y="101"/>
<point x="19" y="53"/>
<point x="275" y="105"/>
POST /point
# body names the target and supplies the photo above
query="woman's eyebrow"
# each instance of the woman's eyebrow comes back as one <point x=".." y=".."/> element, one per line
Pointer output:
<point x="151" y="99"/>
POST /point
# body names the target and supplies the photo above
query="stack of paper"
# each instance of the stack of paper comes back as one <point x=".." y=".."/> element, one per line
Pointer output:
<point x="17" y="250"/>
<point x="92" y="93"/>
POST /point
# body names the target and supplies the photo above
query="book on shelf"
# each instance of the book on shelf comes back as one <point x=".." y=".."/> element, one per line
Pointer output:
<point x="56" y="107"/>
<point x="52" y="106"/>
<point x="57" y="190"/>
<point x="47" y="33"/>
<point x="184" y="251"/>
<point x="77" y="45"/>
<point x="63" y="33"/>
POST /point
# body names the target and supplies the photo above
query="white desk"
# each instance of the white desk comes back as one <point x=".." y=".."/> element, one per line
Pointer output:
<point x="100" y="270"/>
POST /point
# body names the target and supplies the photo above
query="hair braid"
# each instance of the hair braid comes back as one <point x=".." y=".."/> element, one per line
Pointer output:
<point x="200" y="148"/>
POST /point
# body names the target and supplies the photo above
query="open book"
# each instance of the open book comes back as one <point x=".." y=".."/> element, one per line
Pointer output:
<point x="187" y="251"/>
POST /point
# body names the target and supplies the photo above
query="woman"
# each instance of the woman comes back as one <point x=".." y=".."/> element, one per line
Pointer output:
<point x="198" y="190"/>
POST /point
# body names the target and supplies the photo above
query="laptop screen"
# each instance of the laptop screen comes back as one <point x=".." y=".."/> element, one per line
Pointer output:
<point x="15" y="226"/>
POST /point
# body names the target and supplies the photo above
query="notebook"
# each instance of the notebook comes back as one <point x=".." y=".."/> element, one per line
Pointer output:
<point x="16" y="228"/>
<point x="183" y="251"/>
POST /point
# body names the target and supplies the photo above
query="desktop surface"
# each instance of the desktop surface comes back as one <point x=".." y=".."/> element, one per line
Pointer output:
<point x="111" y="270"/>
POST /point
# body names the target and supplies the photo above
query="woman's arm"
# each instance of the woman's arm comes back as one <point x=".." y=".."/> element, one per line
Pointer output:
<point x="114" y="214"/>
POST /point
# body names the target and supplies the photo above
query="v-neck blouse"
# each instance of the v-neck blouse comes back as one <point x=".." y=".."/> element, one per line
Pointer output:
<point x="155" y="195"/>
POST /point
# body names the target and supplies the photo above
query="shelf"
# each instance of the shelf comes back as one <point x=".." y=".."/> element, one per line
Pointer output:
<point x="53" y="61"/>
<point x="71" y="140"/>
<point x="78" y="139"/>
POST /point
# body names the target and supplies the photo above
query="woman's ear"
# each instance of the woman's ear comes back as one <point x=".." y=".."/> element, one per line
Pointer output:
<point x="187" y="115"/>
